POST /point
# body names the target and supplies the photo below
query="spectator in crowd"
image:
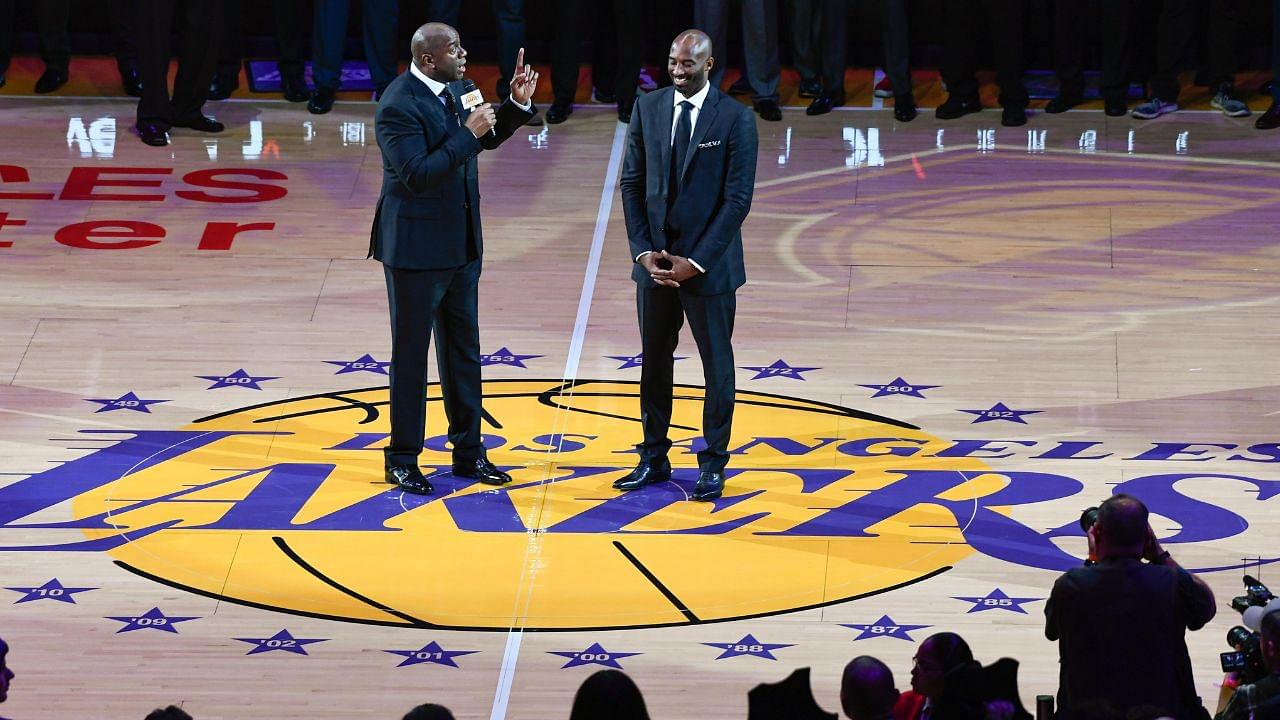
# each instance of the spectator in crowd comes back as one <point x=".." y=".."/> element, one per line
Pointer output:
<point x="867" y="690"/>
<point x="759" y="47"/>
<point x="158" y="111"/>
<point x="429" y="712"/>
<point x="6" y="675"/>
<point x="835" y="30"/>
<point x="897" y="58"/>
<point x="52" y="17"/>
<point x="611" y="69"/>
<point x="1269" y="120"/>
<point x="1176" y="29"/>
<point x="791" y="699"/>
<point x="1260" y="700"/>
<point x="939" y="654"/>
<point x="1224" y="29"/>
<point x="1071" y="18"/>
<point x="960" y="58"/>
<point x="805" y="20"/>
<point x="290" y="56"/>
<point x="173" y="712"/>
<point x="608" y="694"/>
<point x="1120" y="623"/>
<point x="329" y="37"/>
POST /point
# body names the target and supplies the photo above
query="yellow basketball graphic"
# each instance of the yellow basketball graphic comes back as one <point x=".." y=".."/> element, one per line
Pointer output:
<point x="290" y="496"/>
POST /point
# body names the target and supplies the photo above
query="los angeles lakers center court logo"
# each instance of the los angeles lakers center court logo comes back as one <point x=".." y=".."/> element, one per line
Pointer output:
<point x="283" y="506"/>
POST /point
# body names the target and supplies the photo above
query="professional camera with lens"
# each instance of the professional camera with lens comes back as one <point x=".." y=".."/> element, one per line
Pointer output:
<point x="1246" y="660"/>
<point x="1088" y="517"/>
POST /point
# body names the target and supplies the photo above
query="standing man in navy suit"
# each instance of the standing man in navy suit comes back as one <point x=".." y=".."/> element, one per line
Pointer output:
<point x="686" y="187"/>
<point x="426" y="233"/>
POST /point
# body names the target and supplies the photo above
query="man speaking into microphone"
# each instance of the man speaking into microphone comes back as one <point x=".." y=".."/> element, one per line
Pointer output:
<point x="431" y="124"/>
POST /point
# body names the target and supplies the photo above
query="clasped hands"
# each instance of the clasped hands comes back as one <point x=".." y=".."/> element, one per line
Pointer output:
<point x="666" y="269"/>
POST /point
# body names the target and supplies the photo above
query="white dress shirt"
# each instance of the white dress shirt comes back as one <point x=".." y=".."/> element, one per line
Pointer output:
<point x="696" y="100"/>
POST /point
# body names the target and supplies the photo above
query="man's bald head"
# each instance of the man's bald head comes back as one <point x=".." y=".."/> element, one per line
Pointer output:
<point x="697" y="42"/>
<point x="1122" y="525"/>
<point x="690" y="61"/>
<point x="866" y="690"/>
<point x="437" y="52"/>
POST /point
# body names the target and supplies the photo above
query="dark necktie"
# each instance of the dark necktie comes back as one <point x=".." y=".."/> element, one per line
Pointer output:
<point x="448" y="105"/>
<point x="680" y="147"/>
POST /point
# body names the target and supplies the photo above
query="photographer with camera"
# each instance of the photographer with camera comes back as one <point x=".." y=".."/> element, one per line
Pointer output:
<point x="1120" y="622"/>
<point x="1260" y="700"/>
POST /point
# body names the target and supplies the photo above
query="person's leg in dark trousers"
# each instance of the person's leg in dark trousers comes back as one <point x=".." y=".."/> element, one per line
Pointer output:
<point x="380" y="51"/>
<point x="413" y="297"/>
<point x="835" y="38"/>
<point x="804" y="17"/>
<point x="1005" y="18"/>
<point x="226" y="74"/>
<point x="457" y="330"/>
<point x="1070" y="18"/>
<point x="959" y="48"/>
<point x="201" y="28"/>
<point x="328" y="39"/>
<point x="124" y="40"/>
<point x="510" y="17"/>
<point x="1175" y="33"/>
<point x="55" y="43"/>
<point x="6" y="37"/>
<point x="1117" y="49"/>
<point x="566" y="53"/>
<point x="445" y="11"/>
<point x="661" y="316"/>
<point x="154" y="20"/>
<point x="711" y="320"/>
<point x="897" y="45"/>
<point x="290" y="47"/>
<point x="1224" y="31"/>
<point x="629" y="21"/>
<point x="712" y="18"/>
<point x="760" y="48"/>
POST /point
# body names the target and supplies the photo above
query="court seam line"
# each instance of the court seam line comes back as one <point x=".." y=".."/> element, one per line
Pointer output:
<point x="511" y="653"/>
<point x="666" y="592"/>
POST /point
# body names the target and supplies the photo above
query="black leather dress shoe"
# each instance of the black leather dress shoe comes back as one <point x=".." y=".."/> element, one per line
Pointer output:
<point x="1013" y="117"/>
<point x="200" y="123"/>
<point x="294" y="88"/>
<point x="624" y="115"/>
<point x="409" y="478"/>
<point x="130" y="81"/>
<point x="321" y="101"/>
<point x="52" y="79"/>
<point x="223" y="85"/>
<point x="153" y="135"/>
<point x="1269" y="120"/>
<point x="643" y="474"/>
<point x="558" y="113"/>
<point x="710" y="486"/>
<point x="1116" y="107"/>
<point x="810" y="88"/>
<point x="769" y="110"/>
<point x="601" y="96"/>
<point x="904" y="108"/>
<point x="1063" y="102"/>
<point x="956" y="107"/>
<point x="481" y="469"/>
<point x="822" y="105"/>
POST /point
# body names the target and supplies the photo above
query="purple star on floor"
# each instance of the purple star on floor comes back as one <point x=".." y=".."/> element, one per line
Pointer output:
<point x="239" y="378"/>
<point x="430" y="653"/>
<point x="630" y="361"/>
<point x="280" y="641"/>
<point x="1000" y="411"/>
<point x="506" y="357"/>
<point x="365" y="363"/>
<point x="594" y="655"/>
<point x="748" y="645"/>
<point x="127" y="401"/>
<point x="885" y="627"/>
<point x="52" y="590"/>
<point x="997" y="600"/>
<point x="152" y="619"/>
<point x="779" y="368"/>
<point x="898" y="386"/>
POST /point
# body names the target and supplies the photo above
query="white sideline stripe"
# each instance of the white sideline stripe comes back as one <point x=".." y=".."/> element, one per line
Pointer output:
<point x="511" y="655"/>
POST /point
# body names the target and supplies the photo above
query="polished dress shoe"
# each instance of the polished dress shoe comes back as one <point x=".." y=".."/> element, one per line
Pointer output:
<point x="1116" y="107"/>
<point x="1269" y="120"/>
<point x="52" y="79"/>
<point x="601" y="96"/>
<point x="810" y="88"/>
<point x="481" y="469"/>
<point x="200" y="123"/>
<point x="624" y="115"/>
<point x="769" y="110"/>
<point x="223" y="85"/>
<point x="409" y="478"/>
<point x="1013" y="117"/>
<point x="294" y="87"/>
<point x="823" y="104"/>
<point x="904" y="108"/>
<point x="644" y="474"/>
<point x="321" y="101"/>
<point x="710" y="486"/>
<point x="956" y="107"/>
<point x="130" y="81"/>
<point x="1063" y="102"/>
<point x="558" y="113"/>
<point x="153" y="135"/>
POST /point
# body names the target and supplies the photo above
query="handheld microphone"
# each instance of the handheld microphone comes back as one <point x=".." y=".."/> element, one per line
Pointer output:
<point x="471" y="97"/>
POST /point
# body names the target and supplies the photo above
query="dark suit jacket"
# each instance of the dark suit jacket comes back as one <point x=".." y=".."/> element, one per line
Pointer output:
<point x="429" y="183"/>
<point x="719" y="177"/>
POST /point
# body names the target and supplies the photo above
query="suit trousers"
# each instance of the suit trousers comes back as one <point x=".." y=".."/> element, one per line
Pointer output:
<point x="896" y="37"/>
<point x="1175" y="34"/>
<point x="662" y="311"/>
<point x="199" y="33"/>
<point x="1115" y="23"/>
<point x="329" y="39"/>
<point x="960" y="48"/>
<point x="446" y="302"/>
<point x="760" y="41"/>
<point x="616" y="65"/>
<point x="805" y="19"/>
<point x="1224" y="33"/>
<point x="290" y="17"/>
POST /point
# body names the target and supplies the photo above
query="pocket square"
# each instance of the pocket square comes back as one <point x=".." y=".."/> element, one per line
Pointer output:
<point x="708" y="144"/>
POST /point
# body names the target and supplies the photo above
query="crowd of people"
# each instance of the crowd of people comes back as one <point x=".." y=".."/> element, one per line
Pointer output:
<point x="1140" y="41"/>
<point x="1119" y="621"/>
